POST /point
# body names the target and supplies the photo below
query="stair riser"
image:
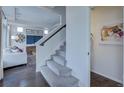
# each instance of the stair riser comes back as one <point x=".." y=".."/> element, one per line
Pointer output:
<point x="62" y="54"/>
<point x="63" y="48"/>
<point x="55" y="81"/>
<point x="76" y="85"/>
<point x="65" y="74"/>
<point x="57" y="72"/>
<point x="54" y="69"/>
<point x="59" y="61"/>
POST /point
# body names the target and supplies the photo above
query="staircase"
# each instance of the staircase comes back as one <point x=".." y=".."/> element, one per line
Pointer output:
<point x="56" y="73"/>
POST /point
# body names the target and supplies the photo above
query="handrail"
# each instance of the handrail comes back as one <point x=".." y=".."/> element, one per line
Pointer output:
<point x="42" y="44"/>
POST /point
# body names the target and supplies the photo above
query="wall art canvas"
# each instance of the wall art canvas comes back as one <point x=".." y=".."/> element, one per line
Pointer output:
<point x="20" y="38"/>
<point x="112" y="34"/>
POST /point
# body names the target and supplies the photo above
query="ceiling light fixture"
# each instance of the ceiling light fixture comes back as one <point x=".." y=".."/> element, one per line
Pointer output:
<point x="46" y="31"/>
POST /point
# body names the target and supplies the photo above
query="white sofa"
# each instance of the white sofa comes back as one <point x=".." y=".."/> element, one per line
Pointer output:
<point x="13" y="59"/>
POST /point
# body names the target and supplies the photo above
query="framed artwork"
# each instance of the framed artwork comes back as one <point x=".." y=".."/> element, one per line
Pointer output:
<point x="20" y="38"/>
<point x="112" y="34"/>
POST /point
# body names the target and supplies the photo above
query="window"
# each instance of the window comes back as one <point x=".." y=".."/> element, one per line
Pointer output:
<point x="19" y="29"/>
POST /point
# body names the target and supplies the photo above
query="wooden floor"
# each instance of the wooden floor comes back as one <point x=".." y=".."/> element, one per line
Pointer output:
<point x="100" y="81"/>
<point x="25" y="76"/>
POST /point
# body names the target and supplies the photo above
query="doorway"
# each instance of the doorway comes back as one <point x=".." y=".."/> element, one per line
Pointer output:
<point x="107" y="46"/>
<point x="31" y="55"/>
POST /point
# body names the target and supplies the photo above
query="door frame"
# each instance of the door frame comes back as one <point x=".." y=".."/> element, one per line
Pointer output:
<point x="123" y="48"/>
<point x="1" y="48"/>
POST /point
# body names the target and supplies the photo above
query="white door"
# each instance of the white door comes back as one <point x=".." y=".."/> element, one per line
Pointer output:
<point x="78" y="42"/>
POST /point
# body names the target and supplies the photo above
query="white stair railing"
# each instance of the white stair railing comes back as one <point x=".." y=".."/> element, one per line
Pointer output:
<point x="45" y="38"/>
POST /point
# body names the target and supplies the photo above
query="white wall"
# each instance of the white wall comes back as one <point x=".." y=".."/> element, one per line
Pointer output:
<point x="14" y="32"/>
<point x="32" y="15"/>
<point x="77" y="42"/>
<point x="106" y="59"/>
<point x="1" y="44"/>
<point x="62" y="11"/>
<point x="23" y="45"/>
<point x="1" y="69"/>
<point x="4" y="32"/>
<point x="43" y="53"/>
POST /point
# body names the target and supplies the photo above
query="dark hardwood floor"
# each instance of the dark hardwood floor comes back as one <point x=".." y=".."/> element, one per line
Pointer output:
<point x="100" y="81"/>
<point x="23" y="76"/>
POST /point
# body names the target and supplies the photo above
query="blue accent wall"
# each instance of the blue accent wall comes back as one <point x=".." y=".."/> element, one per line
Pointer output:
<point x="32" y="39"/>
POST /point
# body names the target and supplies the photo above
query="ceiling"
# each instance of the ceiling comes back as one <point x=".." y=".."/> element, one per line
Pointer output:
<point x="32" y="15"/>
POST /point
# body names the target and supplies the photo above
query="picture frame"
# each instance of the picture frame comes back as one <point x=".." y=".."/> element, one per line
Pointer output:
<point x="112" y="34"/>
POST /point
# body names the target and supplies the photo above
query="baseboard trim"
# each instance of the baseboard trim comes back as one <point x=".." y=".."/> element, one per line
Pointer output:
<point x="14" y="66"/>
<point x="114" y="79"/>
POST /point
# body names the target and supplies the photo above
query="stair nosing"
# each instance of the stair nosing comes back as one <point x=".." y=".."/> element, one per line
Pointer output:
<point x="59" y="66"/>
<point x="52" y="83"/>
<point x="59" y="57"/>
